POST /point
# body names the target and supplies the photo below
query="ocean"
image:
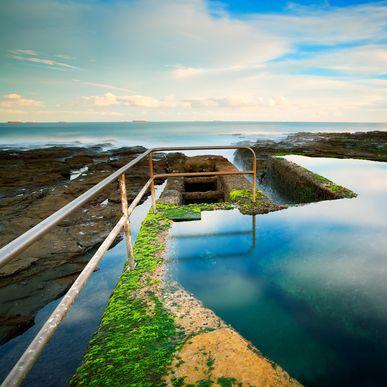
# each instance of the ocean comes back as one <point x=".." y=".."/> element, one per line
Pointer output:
<point x="152" y="134"/>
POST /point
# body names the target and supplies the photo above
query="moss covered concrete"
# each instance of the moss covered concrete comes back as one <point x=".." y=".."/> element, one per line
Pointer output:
<point x="299" y="185"/>
<point x="243" y="200"/>
<point x="137" y="335"/>
<point x="146" y="337"/>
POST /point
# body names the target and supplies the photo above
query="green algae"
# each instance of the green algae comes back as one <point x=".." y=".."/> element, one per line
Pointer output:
<point x="334" y="187"/>
<point x="243" y="200"/>
<point x="182" y="214"/>
<point x="228" y="382"/>
<point x="340" y="191"/>
<point x="204" y="383"/>
<point x="137" y="337"/>
<point x="178" y="382"/>
<point x="189" y="211"/>
<point x="320" y="178"/>
<point x="135" y="342"/>
<point x="237" y="195"/>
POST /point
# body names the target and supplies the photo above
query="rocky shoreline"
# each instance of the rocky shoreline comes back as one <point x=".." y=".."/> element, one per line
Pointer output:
<point x="33" y="185"/>
<point x="36" y="183"/>
<point x="359" y="145"/>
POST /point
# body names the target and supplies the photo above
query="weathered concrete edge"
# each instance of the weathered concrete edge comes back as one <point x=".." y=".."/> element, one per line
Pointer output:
<point x="148" y="323"/>
<point x="301" y="184"/>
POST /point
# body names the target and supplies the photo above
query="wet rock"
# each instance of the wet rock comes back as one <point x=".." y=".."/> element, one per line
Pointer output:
<point x="363" y="145"/>
<point x="127" y="151"/>
<point x="33" y="185"/>
<point x="301" y="185"/>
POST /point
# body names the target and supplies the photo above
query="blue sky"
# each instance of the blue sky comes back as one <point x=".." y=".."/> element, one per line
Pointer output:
<point x="100" y="60"/>
<point x="240" y="7"/>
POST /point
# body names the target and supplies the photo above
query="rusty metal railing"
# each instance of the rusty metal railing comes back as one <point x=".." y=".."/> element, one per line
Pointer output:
<point x="20" y="244"/>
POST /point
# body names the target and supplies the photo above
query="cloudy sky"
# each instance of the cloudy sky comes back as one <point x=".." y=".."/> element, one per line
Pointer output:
<point x="176" y="60"/>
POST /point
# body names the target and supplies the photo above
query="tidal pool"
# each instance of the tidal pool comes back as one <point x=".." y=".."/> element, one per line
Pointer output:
<point x="308" y="287"/>
<point x="65" y="350"/>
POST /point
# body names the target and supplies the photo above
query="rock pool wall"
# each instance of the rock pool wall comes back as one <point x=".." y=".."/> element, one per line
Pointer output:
<point x="301" y="185"/>
<point x="234" y="188"/>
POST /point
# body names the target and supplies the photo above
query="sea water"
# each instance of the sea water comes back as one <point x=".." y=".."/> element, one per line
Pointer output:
<point x="153" y="134"/>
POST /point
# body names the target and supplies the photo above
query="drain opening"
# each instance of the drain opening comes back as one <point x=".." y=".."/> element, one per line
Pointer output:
<point x="202" y="190"/>
<point x="200" y="184"/>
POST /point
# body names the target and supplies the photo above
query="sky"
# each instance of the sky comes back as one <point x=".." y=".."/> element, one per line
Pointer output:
<point x="170" y="60"/>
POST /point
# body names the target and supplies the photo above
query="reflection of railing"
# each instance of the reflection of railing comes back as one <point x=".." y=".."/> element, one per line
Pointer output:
<point x="227" y="234"/>
<point x="20" y="244"/>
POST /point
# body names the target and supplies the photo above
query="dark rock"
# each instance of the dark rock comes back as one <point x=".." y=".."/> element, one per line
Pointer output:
<point x="33" y="185"/>
<point x="363" y="145"/>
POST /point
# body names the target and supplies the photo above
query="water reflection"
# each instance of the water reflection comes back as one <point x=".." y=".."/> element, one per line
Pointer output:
<point x="64" y="352"/>
<point x="311" y="294"/>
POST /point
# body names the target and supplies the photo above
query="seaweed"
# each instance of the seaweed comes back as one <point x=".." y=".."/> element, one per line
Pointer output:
<point x="237" y="195"/>
<point x="137" y="336"/>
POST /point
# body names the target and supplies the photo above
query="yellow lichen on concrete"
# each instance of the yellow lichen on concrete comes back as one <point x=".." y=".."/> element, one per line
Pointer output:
<point x="189" y="312"/>
<point x="221" y="355"/>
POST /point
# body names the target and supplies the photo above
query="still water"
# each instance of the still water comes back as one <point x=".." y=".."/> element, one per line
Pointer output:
<point x="309" y="286"/>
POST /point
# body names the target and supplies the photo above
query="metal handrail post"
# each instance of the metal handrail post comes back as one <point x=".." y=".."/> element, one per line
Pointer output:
<point x="254" y="177"/>
<point x="18" y="245"/>
<point x="124" y="204"/>
<point x="31" y="354"/>
<point x="251" y="150"/>
<point x="21" y="243"/>
<point x="152" y="184"/>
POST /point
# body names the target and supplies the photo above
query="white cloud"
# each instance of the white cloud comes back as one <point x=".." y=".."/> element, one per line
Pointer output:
<point x="64" y="56"/>
<point x="16" y="100"/>
<point x="109" y="99"/>
<point x="23" y="52"/>
<point x="181" y="72"/>
<point x="229" y="102"/>
<point x="366" y="60"/>
<point x="102" y="85"/>
<point x="103" y="113"/>
<point x="185" y="72"/>
<point x="328" y="25"/>
<point x="31" y="56"/>
<point x="184" y="32"/>
<point x="13" y="111"/>
<point x="103" y="100"/>
<point x="140" y="101"/>
<point x="48" y="62"/>
<point x="217" y="67"/>
<point x="233" y="102"/>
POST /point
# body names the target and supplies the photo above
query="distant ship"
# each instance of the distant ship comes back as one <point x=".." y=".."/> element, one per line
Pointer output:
<point x="14" y="122"/>
<point x="139" y="121"/>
